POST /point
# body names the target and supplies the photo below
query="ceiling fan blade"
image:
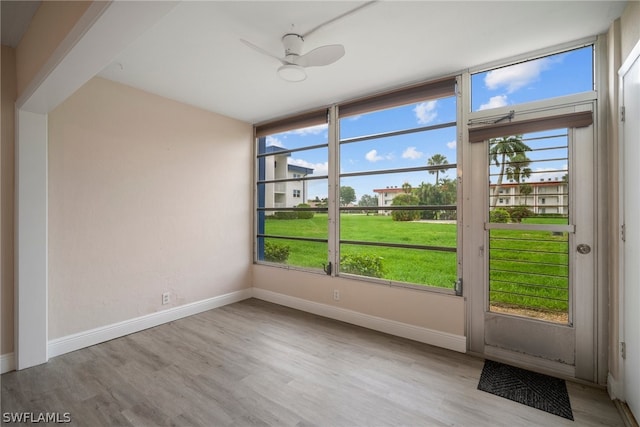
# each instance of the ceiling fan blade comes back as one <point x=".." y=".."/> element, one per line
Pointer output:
<point x="323" y="55"/>
<point x="264" y="52"/>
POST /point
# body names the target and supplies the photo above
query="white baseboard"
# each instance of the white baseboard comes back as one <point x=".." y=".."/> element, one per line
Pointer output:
<point x="91" y="337"/>
<point x="428" y="336"/>
<point x="7" y="363"/>
<point x="614" y="387"/>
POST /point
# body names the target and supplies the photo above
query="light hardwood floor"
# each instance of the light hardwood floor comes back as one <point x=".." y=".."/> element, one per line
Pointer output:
<point x="257" y="363"/>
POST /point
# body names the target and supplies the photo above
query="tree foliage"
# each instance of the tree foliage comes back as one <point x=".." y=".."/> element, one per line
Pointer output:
<point x="367" y="200"/>
<point x="364" y="264"/>
<point x="508" y="152"/>
<point x="437" y="160"/>
<point x="437" y="195"/>
<point x="347" y="195"/>
<point x="499" y="215"/>
<point x="304" y="214"/>
<point x="405" y="200"/>
<point x="276" y="252"/>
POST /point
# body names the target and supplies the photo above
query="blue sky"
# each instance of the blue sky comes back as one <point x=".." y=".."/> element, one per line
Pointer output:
<point x="562" y="74"/>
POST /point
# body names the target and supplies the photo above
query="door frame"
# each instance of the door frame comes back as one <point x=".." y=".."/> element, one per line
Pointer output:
<point x="585" y="330"/>
<point x="622" y="390"/>
<point x="473" y="244"/>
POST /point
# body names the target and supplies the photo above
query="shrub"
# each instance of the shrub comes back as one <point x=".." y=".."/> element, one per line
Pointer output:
<point x="405" y="200"/>
<point x="285" y="215"/>
<point x="518" y="213"/>
<point x="362" y="264"/>
<point x="499" y="215"/>
<point x="304" y="214"/>
<point x="276" y="252"/>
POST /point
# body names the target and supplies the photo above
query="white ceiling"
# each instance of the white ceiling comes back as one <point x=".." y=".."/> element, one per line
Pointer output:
<point x="194" y="53"/>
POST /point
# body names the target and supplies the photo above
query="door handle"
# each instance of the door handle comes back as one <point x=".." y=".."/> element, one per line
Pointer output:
<point x="583" y="248"/>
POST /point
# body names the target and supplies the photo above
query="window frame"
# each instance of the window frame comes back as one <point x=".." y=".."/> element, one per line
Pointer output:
<point x="434" y="89"/>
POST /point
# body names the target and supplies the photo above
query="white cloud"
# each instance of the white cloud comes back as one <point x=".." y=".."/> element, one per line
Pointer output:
<point x="452" y="144"/>
<point x="318" y="168"/>
<point x="373" y="156"/>
<point x="426" y="112"/>
<point x="515" y="76"/>
<point x="495" y="102"/>
<point x="412" y="153"/>
<point x="273" y="141"/>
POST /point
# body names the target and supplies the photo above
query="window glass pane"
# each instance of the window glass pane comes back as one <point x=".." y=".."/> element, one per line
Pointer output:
<point x="298" y="253"/>
<point x="292" y="224"/>
<point x="398" y="194"/>
<point x="411" y="266"/>
<point x="529" y="178"/>
<point x="400" y="151"/>
<point x="297" y="138"/>
<point x="426" y="113"/>
<point x="543" y="78"/>
<point x="529" y="184"/>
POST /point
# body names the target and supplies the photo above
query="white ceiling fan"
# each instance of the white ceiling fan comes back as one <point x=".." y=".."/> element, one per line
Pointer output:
<point x="294" y="61"/>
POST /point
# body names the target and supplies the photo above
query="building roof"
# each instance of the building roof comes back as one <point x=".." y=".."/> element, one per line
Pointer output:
<point x="301" y="169"/>
<point x="269" y="149"/>
<point x="389" y="190"/>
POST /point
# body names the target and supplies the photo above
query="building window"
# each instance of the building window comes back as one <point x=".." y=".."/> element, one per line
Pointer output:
<point x="542" y="201"/>
<point x="296" y="193"/>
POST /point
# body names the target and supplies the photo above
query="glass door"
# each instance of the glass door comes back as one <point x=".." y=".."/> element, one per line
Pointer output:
<point x="538" y="304"/>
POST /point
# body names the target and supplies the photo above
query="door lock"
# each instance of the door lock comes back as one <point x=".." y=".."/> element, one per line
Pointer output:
<point x="583" y="248"/>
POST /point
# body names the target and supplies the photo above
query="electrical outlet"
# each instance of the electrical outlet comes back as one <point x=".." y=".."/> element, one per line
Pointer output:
<point x="165" y="298"/>
<point x="336" y="295"/>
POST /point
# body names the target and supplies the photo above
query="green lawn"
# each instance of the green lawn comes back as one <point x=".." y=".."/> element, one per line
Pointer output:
<point x="527" y="269"/>
<point x="420" y="267"/>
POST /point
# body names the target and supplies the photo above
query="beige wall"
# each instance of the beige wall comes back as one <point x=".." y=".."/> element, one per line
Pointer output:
<point x="146" y="195"/>
<point x="8" y="92"/>
<point x="50" y="24"/>
<point x="439" y="312"/>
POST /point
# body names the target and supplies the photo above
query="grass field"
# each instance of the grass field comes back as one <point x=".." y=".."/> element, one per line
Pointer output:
<point x="526" y="269"/>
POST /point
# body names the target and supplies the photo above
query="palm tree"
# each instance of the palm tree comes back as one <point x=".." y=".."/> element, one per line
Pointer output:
<point x="518" y="168"/>
<point x="502" y="151"/>
<point x="437" y="160"/>
<point x="406" y="187"/>
<point x="525" y="190"/>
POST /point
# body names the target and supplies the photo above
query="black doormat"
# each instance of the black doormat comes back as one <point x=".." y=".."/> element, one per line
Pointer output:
<point x="529" y="388"/>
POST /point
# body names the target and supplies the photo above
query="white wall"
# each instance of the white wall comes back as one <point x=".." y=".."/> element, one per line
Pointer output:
<point x="146" y="195"/>
<point x="436" y="318"/>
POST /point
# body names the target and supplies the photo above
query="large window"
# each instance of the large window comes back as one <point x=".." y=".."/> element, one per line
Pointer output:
<point x="372" y="193"/>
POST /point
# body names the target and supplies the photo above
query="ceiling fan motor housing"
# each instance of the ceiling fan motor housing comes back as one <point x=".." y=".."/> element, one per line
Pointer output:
<point x="292" y="44"/>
